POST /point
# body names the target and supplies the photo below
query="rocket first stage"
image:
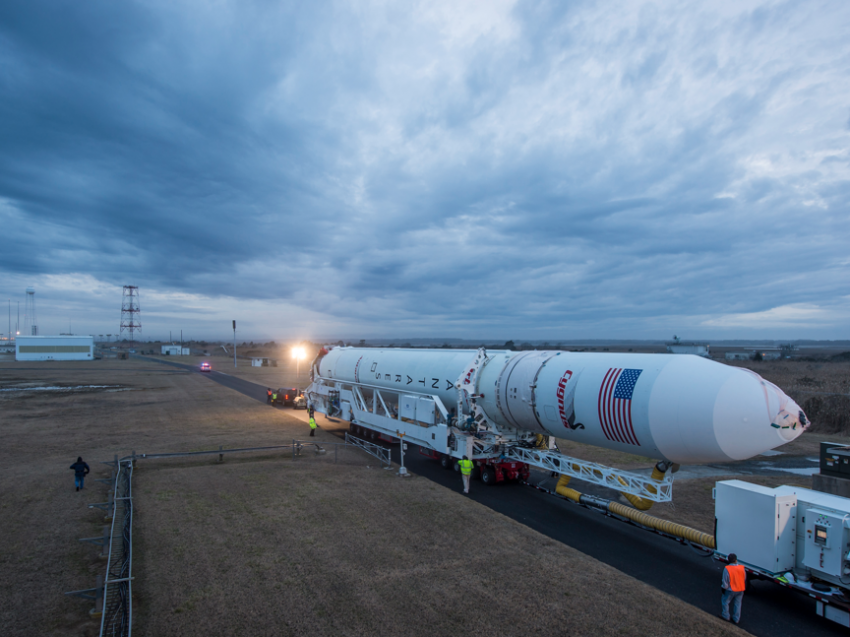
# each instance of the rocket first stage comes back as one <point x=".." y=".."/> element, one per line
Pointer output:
<point x="679" y="408"/>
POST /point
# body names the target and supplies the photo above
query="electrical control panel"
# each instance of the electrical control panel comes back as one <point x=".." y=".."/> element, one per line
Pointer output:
<point x="827" y="541"/>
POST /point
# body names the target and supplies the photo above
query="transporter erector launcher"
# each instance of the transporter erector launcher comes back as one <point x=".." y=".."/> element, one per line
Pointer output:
<point x="674" y="408"/>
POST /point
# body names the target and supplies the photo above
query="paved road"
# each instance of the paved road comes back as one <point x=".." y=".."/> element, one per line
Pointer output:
<point x="769" y="610"/>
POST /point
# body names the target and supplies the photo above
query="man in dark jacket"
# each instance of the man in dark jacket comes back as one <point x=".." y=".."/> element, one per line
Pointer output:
<point x="81" y="470"/>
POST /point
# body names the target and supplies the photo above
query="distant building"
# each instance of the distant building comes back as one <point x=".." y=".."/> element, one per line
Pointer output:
<point x="683" y="347"/>
<point x="171" y="350"/>
<point x="54" y="348"/>
<point x="738" y="356"/>
<point x="769" y="354"/>
<point x="263" y="362"/>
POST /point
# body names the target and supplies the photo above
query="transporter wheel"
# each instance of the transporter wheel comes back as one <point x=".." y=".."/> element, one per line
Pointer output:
<point x="456" y="466"/>
<point x="446" y="461"/>
<point x="488" y="475"/>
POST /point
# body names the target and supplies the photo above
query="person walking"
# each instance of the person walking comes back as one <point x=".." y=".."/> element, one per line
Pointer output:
<point x="269" y="396"/>
<point x="465" y="472"/>
<point x="81" y="470"/>
<point x="734" y="584"/>
<point x="274" y="398"/>
<point x="313" y="426"/>
<point x="311" y="410"/>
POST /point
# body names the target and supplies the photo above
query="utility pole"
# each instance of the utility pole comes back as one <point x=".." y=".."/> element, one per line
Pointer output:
<point x="402" y="447"/>
<point x="181" y="342"/>
<point x="234" y="343"/>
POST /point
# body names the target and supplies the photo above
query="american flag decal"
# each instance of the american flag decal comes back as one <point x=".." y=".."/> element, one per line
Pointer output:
<point x="615" y="405"/>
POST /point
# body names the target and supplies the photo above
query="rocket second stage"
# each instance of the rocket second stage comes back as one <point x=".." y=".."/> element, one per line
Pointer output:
<point x="679" y="408"/>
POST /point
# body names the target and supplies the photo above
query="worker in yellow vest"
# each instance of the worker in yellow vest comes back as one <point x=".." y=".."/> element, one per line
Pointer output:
<point x="734" y="583"/>
<point x="465" y="472"/>
<point x="313" y="426"/>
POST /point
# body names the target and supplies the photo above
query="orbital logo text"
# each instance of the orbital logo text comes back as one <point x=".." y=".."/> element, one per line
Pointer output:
<point x="562" y="388"/>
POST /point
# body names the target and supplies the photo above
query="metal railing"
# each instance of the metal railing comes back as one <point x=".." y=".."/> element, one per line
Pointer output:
<point x="112" y="596"/>
<point x="117" y="618"/>
<point x="381" y="453"/>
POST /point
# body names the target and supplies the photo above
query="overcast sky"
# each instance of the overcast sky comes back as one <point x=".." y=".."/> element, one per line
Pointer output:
<point x="494" y="169"/>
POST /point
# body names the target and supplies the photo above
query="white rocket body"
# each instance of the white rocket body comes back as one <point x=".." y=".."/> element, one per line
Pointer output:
<point x="680" y="408"/>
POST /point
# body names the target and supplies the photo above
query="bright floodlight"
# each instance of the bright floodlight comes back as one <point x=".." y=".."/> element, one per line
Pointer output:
<point x="298" y="353"/>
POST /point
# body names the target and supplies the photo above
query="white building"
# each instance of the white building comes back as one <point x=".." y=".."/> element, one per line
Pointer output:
<point x="681" y="347"/>
<point x="263" y="362"/>
<point x="738" y="356"/>
<point x="54" y="348"/>
<point x="175" y="350"/>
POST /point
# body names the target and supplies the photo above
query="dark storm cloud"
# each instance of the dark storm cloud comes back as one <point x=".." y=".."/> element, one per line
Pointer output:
<point x="544" y="168"/>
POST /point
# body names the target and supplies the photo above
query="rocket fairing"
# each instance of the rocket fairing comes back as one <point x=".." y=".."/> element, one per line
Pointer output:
<point x="680" y="408"/>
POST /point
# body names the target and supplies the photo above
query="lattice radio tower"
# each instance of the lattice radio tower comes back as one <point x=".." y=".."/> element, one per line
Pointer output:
<point x="131" y="317"/>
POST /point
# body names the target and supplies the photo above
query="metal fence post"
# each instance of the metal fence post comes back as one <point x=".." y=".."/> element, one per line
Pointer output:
<point x="97" y="611"/>
<point x="104" y="553"/>
<point x="110" y="507"/>
<point x="220" y="455"/>
<point x="293" y="449"/>
<point x="134" y="458"/>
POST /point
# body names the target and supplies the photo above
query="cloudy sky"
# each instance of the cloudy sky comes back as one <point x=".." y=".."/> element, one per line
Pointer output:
<point x="489" y="169"/>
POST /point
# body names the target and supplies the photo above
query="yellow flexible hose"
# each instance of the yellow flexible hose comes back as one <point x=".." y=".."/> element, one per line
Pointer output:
<point x="563" y="490"/>
<point x="679" y="530"/>
<point x="642" y="504"/>
<point x="671" y="528"/>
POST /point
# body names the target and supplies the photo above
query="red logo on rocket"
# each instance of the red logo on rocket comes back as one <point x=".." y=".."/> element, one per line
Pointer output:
<point x="562" y="387"/>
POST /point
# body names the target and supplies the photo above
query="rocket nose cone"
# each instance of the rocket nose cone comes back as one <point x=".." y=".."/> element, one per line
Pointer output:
<point x="789" y="419"/>
<point x="753" y="415"/>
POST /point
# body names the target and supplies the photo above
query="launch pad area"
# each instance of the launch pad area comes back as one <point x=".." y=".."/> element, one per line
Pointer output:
<point x="268" y="546"/>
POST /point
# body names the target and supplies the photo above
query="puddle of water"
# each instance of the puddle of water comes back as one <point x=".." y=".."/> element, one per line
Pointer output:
<point x="805" y="471"/>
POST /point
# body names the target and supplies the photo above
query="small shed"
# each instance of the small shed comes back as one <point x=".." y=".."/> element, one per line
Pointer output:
<point x="171" y="350"/>
<point x="738" y="356"/>
<point x="54" y="348"/>
<point x="260" y="361"/>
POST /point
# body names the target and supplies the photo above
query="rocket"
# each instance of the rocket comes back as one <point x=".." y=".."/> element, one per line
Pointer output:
<point x="677" y="408"/>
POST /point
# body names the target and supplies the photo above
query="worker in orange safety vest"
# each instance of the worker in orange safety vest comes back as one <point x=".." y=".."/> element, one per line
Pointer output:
<point x="269" y="396"/>
<point x="734" y="583"/>
<point x="465" y="472"/>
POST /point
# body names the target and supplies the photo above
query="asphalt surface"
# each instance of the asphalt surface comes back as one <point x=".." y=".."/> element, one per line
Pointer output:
<point x="769" y="610"/>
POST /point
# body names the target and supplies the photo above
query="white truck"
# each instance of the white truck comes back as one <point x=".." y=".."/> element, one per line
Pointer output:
<point x="792" y="536"/>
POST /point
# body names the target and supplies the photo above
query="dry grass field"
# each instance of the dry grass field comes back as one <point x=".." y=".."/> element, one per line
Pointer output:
<point x="268" y="545"/>
<point x="820" y="387"/>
